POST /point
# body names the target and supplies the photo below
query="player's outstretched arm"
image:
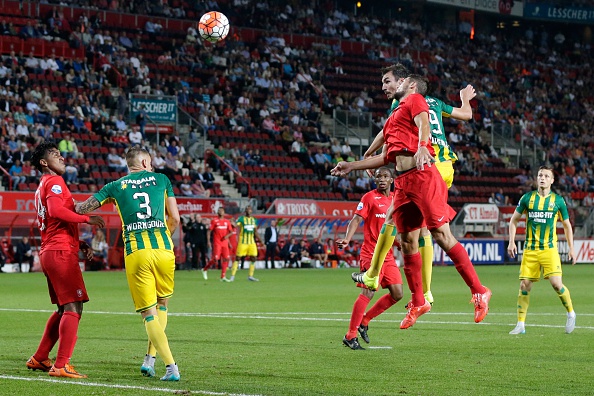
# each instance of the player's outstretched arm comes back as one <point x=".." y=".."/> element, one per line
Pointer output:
<point x="569" y="238"/>
<point x="377" y="144"/>
<point x="464" y="113"/>
<point x="344" y="168"/>
<point x="57" y="209"/>
<point x="512" y="249"/>
<point x="87" y="206"/>
<point x="172" y="214"/>
<point x="351" y="229"/>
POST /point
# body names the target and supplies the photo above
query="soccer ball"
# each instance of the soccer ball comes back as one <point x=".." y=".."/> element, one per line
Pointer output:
<point x="213" y="26"/>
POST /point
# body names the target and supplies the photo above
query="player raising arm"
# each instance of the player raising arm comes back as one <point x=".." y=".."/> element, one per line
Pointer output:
<point x="148" y="209"/>
<point x="540" y="249"/>
<point x="58" y="224"/>
<point x="444" y="155"/>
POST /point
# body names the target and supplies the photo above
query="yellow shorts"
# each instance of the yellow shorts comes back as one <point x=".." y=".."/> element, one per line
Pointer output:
<point x="150" y="275"/>
<point x="244" y="250"/>
<point x="536" y="261"/>
<point x="446" y="169"/>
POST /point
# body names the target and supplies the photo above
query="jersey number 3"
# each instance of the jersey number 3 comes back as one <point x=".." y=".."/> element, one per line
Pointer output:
<point x="144" y="204"/>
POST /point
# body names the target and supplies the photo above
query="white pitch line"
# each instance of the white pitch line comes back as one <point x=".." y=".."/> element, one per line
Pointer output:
<point x="115" y="386"/>
<point x="379" y="347"/>
<point x="314" y="317"/>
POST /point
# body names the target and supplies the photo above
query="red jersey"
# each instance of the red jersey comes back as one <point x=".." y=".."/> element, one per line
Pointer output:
<point x="220" y="228"/>
<point x="372" y="209"/>
<point x="400" y="131"/>
<point x="55" y="233"/>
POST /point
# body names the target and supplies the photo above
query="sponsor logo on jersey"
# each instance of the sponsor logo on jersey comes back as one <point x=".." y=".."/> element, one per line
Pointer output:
<point x="57" y="189"/>
<point x="360" y="206"/>
<point x="380" y="215"/>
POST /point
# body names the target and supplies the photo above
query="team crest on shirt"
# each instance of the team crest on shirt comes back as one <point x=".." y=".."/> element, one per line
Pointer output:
<point x="79" y="293"/>
<point x="551" y="206"/>
<point x="57" y="189"/>
<point x="360" y="206"/>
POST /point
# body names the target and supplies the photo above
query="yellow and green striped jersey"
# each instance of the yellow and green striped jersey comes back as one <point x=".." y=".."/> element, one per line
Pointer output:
<point x="541" y="219"/>
<point x="437" y="108"/>
<point x="140" y="199"/>
<point x="247" y="228"/>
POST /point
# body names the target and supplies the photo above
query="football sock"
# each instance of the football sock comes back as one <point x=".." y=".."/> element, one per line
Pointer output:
<point x="157" y="337"/>
<point x="426" y="250"/>
<point x="357" y="315"/>
<point x="252" y="269"/>
<point x="68" y="330"/>
<point x="234" y="268"/>
<point x="565" y="298"/>
<point x="162" y="314"/>
<point x="465" y="268"/>
<point x="382" y="304"/>
<point x="523" y="302"/>
<point x="224" y="267"/>
<point x="412" y="271"/>
<point x="51" y="334"/>
<point x="208" y="265"/>
<point x="385" y="241"/>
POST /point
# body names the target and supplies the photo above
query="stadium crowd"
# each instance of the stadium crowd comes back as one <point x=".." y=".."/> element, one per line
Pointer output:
<point x="535" y="80"/>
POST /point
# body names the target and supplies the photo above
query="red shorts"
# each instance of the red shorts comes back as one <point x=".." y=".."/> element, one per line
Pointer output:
<point x="389" y="274"/>
<point x="421" y="200"/>
<point x="220" y="251"/>
<point x="64" y="278"/>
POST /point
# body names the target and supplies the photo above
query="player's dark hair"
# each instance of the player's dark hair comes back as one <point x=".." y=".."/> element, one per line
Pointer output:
<point x="384" y="168"/>
<point x="421" y="83"/>
<point x="549" y="168"/>
<point x="40" y="152"/>
<point x="398" y="70"/>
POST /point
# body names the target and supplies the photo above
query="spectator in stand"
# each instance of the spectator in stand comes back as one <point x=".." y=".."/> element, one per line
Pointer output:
<point x="362" y="183"/>
<point x="24" y="255"/>
<point x="344" y="186"/>
<point x="114" y="162"/>
<point x="198" y="190"/>
<point x="16" y="174"/>
<point x="71" y="174"/>
<point x="66" y="147"/>
<point x="209" y="178"/>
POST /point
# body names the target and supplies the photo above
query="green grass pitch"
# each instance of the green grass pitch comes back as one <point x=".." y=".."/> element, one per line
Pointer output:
<point x="283" y="336"/>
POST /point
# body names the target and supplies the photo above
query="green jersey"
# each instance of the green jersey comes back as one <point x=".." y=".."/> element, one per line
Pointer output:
<point x="140" y="199"/>
<point x="247" y="228"/>
<point x="541" y="219"/>
<point x="437" y="108"/>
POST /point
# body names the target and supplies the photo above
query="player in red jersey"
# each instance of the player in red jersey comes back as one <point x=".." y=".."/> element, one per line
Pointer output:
<point x="221" y="230"/>
<point x="420" y="199"/>
<point x="58" y="224"/>
<point x="372" y="209"/>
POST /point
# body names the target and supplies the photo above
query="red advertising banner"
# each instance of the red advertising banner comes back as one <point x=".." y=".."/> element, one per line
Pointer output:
<point x="309" y="207"/>
<point x="25" y="202"/>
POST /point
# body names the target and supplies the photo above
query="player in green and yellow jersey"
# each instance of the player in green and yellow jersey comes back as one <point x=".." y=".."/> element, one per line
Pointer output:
<point x="148" y="210"/>
<point x="246" y="244"/>
<point x="444" y="155"/>
<point x="542" y="208"/>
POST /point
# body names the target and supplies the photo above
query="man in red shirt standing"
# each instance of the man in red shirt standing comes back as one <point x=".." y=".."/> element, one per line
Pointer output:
<point x="420" y="199"/>
<point x="372" y="210"/>
<point x="221" y="230"/>
<point x="58" y="224"/>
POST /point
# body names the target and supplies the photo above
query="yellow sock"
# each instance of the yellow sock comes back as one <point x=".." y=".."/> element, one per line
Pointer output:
<point x="157" y="336"/>
<point x="162" y="314"/>
<point x="523" y="302"/>
<point x="426" y="250"/>
<point x="252" y="269"/>
<point x="385" y="241"/>
<point x="565" y="298"/>
<point x="234" y="268"/>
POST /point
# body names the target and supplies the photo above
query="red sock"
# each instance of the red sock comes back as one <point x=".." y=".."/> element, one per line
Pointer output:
<point x="412" y="271"/>
<point x="224" y="268"/>
<point x="385" y="302"/>
<point x="51" y="334"/>
<point x="68" y="330"/>
<point x="357" y="315"/>
<point x="465" y="268"/>
<point x="208" y="265"/>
